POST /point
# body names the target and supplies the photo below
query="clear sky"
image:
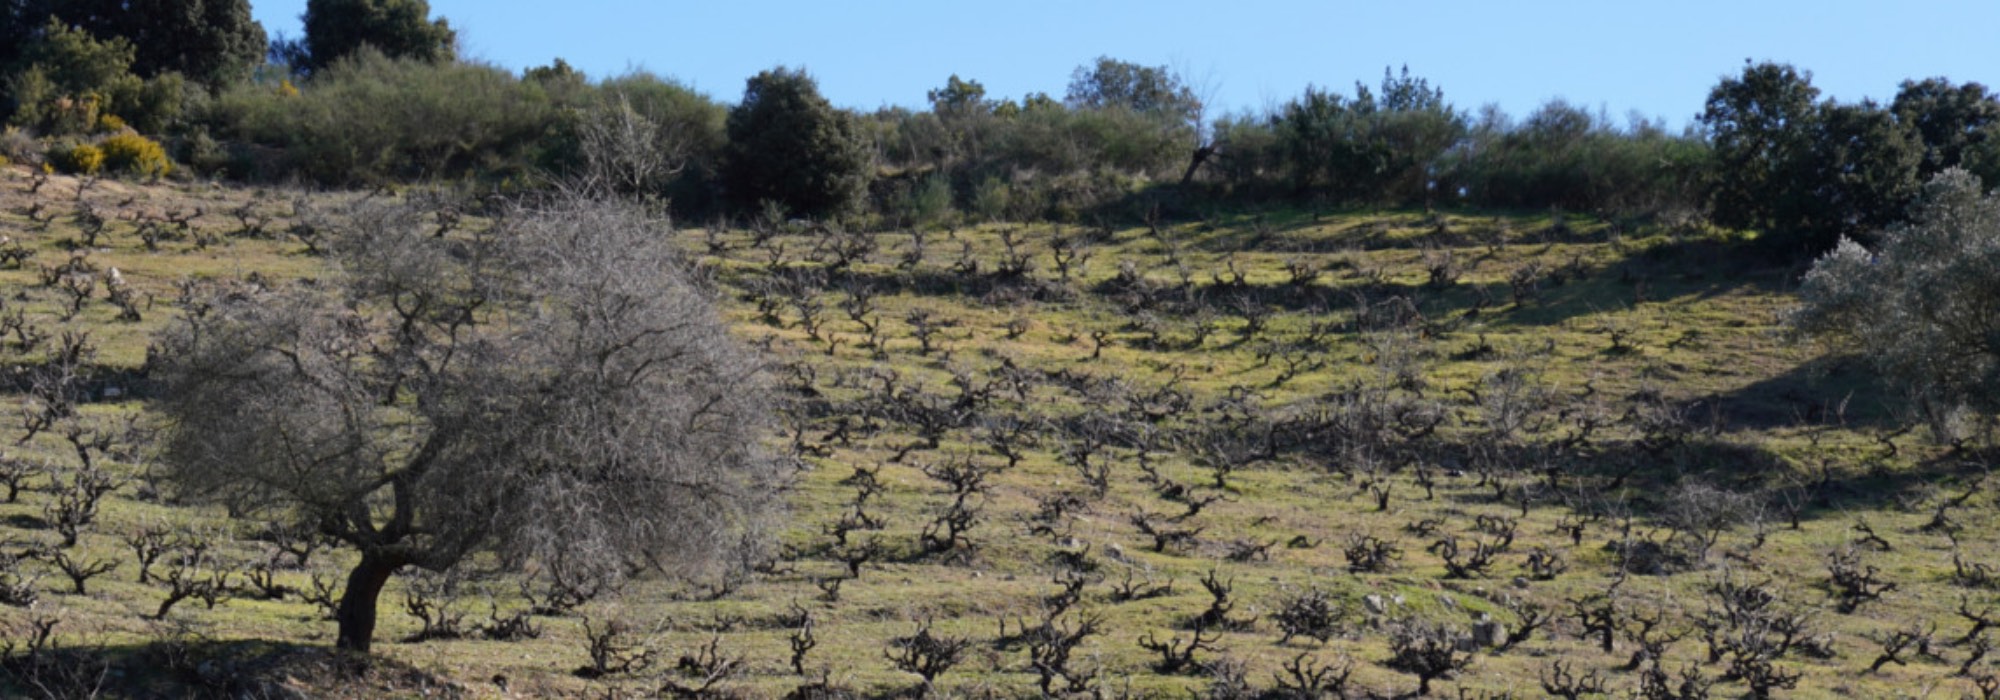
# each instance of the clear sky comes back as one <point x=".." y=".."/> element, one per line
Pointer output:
<point x="1654" y="57"/>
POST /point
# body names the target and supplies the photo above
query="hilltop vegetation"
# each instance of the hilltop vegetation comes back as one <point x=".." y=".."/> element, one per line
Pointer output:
<point x="372" y="95"/>
<point x="1099" y="396"/>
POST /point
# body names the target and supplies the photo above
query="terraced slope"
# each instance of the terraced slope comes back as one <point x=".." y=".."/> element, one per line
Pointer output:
<point x="1214" y="456"/>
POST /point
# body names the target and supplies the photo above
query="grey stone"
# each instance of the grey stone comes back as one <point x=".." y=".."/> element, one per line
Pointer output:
<point x="1489" y="633"/>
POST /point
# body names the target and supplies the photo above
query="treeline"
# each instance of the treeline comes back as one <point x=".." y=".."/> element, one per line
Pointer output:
<point x="372" y="94"/>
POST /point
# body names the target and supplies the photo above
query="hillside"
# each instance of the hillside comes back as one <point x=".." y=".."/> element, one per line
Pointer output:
<point x="1129" y="455"/>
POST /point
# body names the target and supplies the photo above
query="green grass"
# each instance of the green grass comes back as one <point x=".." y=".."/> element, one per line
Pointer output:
<point x="1697" y="328"/>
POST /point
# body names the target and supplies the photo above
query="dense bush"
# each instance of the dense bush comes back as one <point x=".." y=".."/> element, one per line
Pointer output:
<point x="1029" y="159"/>
<point x="1247" y="160"/>
<point x="1859" y="175"/>
<point x="1562" y="156"/>
<point x="1920" y="304"/>
<point x="925" y="201"/>
<point x="66" y="80"/>
<point x="1366" y="150"/>
<point x="788" y="145"/>
<point x="1958" y="124"/>
<point x="338" y="29"/>
<point x="1769" y="156"/>
<point x="1806" y="174"/>
<point x="645" y="134"/>
<point x="374" y="119"/>
<point x="76" y="158"/>
<point x="212" y="42"/>
<point x="135" y="154"/>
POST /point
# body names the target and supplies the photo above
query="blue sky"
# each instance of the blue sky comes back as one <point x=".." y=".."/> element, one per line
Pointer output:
<point x="1658" y="58"/>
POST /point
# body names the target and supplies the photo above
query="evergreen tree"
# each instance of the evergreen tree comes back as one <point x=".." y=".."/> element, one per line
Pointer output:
<point x="1317" y="134"/>
<point x="65" y="79"/>
<point x="959" y="97"/>
<point x="1110" y="83"/>
<point x="788" y="145"/>
<point x="1802" y="174"/>
<point x="211" y="42"/>
<point x="1959" y="125"/>
<point x="1761" y="125"/>
<point x="397" y="28"/>
<point x="1860" y="175"/>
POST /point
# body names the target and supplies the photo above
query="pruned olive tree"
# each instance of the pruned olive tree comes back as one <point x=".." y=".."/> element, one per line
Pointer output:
<point x="1924" y="304"/>
<point x="557" y="389"/>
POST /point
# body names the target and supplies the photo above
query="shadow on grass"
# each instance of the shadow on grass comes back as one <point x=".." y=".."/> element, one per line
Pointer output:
<point x="1628" y="476"/>
<point x="1674" y="272"/>
<point x="180" y="668"/>
<point x="1834" y="490"/>
<point x="24" y="521"/>
<point x="1825" y="391"/>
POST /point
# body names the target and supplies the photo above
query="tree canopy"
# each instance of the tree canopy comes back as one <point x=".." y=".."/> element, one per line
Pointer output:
<point x="556" y="390"/>
<point x="65" y="80"/>
<point x="1959" y="125"/>
<point x="1920" y="305"/>
<point x="1367" y="148"/>
<point x="398" y="28"/>
<point x="788" y="145"/>
<point x="1805" y="174"/>
<point x="1758" y="123"/>
<point x="1145" y="89"/>
<point x="959" y="97"/>
<point x="211" y="42"/>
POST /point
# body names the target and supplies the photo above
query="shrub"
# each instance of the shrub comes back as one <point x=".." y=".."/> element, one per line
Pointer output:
<point x="152" y="106"/>
<point x="1563" y="156"/>
<point x="637" y="133"/>
<point x="991" y="199"/>
<point x="924" y="202"/>
<point x="18" y="145"/>
<point x="403" y="29"/>
<point x="201" y="153"/>
<point x="135" y="154"/>
<point x="788" y="144"/>
<point x="76" y="158"/>
<point x="372" y="119"/>
<point x="1919" y="305"/>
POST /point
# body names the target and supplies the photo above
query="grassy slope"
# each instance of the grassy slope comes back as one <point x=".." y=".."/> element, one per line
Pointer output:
<point x="1701" y="329"/>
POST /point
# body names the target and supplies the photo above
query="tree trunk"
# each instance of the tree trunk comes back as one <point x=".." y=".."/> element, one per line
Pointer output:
<point x="1201" y="154"/>
<point x="357" y="603"/>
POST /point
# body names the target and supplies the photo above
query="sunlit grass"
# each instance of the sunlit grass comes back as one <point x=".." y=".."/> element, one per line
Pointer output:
<point x="1635" y="312"/>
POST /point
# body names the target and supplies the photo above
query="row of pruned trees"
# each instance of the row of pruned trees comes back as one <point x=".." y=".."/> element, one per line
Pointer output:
<point x="1159" y="460"/>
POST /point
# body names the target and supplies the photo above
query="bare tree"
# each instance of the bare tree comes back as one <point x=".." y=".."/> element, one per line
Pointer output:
<point x="558" y="383"/>
<point x="625" y="151"/>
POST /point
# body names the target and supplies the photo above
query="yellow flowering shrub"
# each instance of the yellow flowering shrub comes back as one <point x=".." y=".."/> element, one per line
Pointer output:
<point x="131" y="153"/>
<point x="76" y="158"/>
